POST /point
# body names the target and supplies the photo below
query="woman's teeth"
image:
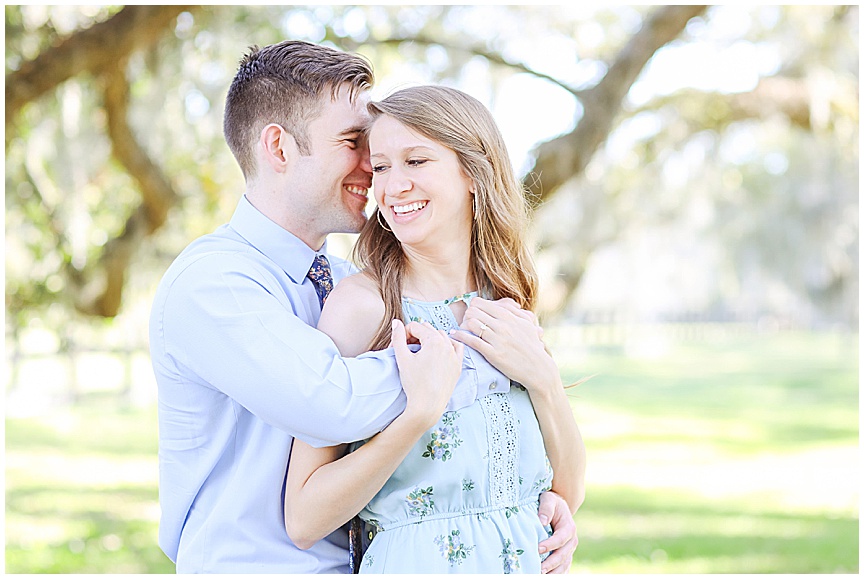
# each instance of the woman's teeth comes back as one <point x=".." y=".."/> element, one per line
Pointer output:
<point x="411" y="207"/>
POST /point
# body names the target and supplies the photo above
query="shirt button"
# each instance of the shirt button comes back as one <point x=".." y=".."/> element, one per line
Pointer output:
<point x="493" y="385"/>
<point x="371" y="535"/>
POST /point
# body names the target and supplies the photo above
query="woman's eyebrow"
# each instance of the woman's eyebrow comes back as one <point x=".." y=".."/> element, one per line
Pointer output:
<point x="406" y="150"/>
<point x="410" y="149"/>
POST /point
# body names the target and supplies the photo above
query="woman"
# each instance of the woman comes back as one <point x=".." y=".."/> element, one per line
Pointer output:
<point x="458" y="492"/>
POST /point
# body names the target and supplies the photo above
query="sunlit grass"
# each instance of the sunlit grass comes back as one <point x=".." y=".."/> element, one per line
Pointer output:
<point x="81" y="493"/>
<point x="738" y="454"/>
<point x="630" y="530"/>
<point x="735" y="455"/>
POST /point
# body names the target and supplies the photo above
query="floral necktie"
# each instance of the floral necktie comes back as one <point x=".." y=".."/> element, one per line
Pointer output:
<point x="321" y="277"/>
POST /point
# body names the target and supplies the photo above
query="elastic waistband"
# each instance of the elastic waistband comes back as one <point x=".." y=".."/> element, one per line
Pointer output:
<point x="453" y="515"/>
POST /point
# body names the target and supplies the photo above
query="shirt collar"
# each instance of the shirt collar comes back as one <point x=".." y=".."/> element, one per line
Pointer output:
<point x="280" y="245"/>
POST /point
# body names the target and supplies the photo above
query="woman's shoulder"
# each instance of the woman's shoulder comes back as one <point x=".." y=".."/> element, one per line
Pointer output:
<point x="359" y="289"/>
<point x="352" y="314"/>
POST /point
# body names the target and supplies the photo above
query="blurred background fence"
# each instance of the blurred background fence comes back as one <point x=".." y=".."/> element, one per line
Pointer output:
<point x="45" y="368"/>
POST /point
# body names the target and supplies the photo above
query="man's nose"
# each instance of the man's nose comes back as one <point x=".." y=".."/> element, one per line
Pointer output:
<point x="365" y="164"/>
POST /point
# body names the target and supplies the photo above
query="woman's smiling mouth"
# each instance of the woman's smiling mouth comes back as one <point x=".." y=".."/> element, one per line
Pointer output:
<point x="409" y="208"/>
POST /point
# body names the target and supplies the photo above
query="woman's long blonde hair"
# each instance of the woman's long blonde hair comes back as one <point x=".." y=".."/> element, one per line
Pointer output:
<point x="500" y="261"/>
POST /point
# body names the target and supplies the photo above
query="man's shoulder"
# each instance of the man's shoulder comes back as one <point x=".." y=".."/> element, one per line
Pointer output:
<point x="216" y="255"/>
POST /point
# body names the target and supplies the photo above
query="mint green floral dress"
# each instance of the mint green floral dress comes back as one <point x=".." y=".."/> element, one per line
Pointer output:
<point x="465" y="498"/>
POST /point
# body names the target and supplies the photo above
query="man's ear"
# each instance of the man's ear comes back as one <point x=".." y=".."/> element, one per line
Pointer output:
<point x="278" y="147"/>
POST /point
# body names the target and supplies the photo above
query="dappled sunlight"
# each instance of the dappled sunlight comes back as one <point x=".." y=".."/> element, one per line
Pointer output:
<point x="734" y="453"/>
<point x="81" y="492"/>
<point x="616" y="426"/>
<point x="673" y="452"/>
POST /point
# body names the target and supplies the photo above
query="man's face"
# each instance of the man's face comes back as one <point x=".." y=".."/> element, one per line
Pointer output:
<point x="334" y="180"/>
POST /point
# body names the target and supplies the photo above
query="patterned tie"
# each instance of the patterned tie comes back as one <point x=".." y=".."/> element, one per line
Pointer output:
<point x="321" y="277"/>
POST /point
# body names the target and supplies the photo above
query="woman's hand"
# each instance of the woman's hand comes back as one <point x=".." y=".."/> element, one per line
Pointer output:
<point x="316" y="475"/>
<point x="428" y="375"/>
<point x="510" y="338"/>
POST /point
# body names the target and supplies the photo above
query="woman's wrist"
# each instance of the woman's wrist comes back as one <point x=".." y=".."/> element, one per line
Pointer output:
<point x="545" y="381"/>
<point x="416" y="420"/>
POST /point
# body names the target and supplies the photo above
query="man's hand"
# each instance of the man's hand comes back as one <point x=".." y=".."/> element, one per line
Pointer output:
<point x="430" y="374"/>
<point x="563" y="542"/>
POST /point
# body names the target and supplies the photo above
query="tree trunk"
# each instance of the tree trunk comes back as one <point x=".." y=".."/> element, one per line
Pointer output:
<point x="99" y="291"/>
<point x="102" y="51"/>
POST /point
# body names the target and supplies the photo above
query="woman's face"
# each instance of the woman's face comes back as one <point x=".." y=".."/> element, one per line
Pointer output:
<point x="419" y="185"/>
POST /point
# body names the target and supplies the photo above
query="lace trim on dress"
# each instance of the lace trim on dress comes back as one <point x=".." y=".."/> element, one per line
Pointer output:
<point x="443" y="317"/>
<point x="502" y="433"/>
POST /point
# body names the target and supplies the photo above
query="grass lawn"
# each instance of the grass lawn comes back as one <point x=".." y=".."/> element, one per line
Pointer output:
<point x="81" y="493"/>
<point x="734" y="455"/>
<point x="738" y="454"/>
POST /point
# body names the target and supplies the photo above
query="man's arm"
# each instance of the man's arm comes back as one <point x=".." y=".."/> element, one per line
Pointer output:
<point x="316" y="475"/>
<point x="228" y="326"/>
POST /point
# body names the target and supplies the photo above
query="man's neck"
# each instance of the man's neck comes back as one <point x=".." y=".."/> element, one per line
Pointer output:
<point x="269" y="206"/>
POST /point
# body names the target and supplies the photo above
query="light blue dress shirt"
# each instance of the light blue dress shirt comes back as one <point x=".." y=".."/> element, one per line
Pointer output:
<point x="240" y="372"/>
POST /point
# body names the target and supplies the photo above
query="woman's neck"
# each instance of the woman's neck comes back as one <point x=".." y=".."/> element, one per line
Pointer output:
<point x="439" y="275"/>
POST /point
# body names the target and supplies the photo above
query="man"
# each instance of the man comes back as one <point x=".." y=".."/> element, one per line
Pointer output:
<point x="240" y="368"/>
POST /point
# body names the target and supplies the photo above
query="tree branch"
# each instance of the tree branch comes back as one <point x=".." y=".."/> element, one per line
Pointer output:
<point x="488" y="55"/>
<point x="563" y="158"/>
<point x="92" y="50"/>
<point x="713" y="110"/>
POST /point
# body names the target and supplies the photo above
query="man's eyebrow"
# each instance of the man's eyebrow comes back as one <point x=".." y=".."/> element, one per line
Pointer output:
<point x="354" y="130"/>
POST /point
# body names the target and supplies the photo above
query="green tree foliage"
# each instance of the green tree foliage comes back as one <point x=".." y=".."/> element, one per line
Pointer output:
<point x="110" y="172"/>
<point x="752" y="190"/>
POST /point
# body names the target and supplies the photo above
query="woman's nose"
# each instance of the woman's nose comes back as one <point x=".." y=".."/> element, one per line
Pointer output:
<point x="397" y="183"/>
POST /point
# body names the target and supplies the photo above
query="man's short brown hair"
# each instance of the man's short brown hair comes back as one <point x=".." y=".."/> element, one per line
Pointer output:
<point x="284" y="83"/>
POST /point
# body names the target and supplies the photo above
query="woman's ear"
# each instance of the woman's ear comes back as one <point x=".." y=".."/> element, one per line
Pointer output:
<point x="278" y="147"/>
